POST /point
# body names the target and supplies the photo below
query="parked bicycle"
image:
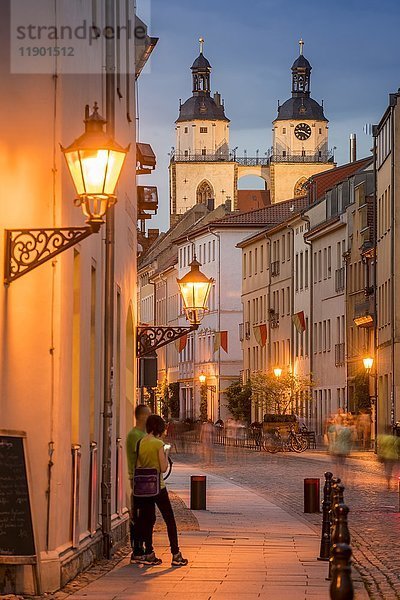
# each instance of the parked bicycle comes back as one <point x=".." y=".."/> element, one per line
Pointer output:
<point x="295" y="442"/>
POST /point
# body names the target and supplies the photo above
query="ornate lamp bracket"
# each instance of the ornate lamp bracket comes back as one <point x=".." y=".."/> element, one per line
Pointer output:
<point x="149" y="339"/>
<point x="26" y="249"/>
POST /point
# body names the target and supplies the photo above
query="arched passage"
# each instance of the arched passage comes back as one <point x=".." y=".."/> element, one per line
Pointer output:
<point x="204" y="192"/>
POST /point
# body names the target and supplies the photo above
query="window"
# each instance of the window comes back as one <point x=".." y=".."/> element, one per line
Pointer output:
<point x="288" y="299"/>
<point x="320" y="130"/>
<point x="186" y="129"/>
<point x="306" y="269"/>
<point x="297" y="272"/>
<point x="283" y="129"/>
<point x="250" y="261"/>
<point x="203" y="152"/>
<point x="186" y="153"/>
<point x="203" y="129"/>
<point x="329" y="262"/>
<point x="255" y="261"/>
<point x="325" y="263"/>
<point x="319" y="265"/>
<point x="262" y="258"/>
<point x="283" y="248"/>
<point x="301" y="270"/>
<point x="283" y="152"/>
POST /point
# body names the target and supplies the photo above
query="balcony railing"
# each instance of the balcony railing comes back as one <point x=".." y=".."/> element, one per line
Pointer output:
<point x="339" y="355"/>
<point x="253" y="161"/>
<point x="275" y="268"/>
<point x="339" y="279"/>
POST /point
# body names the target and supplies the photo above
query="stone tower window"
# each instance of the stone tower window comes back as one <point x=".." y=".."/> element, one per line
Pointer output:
<point x="204" y="193"/>
<point x="203" y="129"/>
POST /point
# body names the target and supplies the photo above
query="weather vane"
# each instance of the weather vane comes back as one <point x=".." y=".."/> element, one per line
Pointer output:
<point x="301" y="44"/>
<point x="201" y="40"/>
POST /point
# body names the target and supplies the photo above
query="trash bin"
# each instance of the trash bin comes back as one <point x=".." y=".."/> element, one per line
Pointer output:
<point x="311" y="496"/>
<point x="198" y="499"/>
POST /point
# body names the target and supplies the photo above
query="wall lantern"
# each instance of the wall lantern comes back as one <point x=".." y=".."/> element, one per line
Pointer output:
<point x="368" y="363"/>
<point x="202" y="378"/>
<point x="194" y="289"/>
<point x="277" y="372"/>
<point x="95" y="162"/>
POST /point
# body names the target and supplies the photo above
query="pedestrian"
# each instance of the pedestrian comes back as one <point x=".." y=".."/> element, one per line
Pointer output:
<point x="388" y="453"/>
<point x="207" y="442"/>
<point x="152" y="455"/>
<point x="142" y="412"/>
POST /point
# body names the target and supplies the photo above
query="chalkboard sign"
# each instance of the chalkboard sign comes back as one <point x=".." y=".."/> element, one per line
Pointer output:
<point x="16" y="527"/>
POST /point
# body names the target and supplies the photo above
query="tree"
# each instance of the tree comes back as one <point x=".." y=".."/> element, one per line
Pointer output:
<point x="239" y="400"/>
<point x="362" y="399"/>
<point x="203" y="403"/>
<point x="174" y="399"/>
<point x="276" y="394"/>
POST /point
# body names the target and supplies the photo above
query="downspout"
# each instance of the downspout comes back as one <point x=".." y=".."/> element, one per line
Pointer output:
<point x="392" y="266"/>
<point x="269" y="299"/>
<point x="292" y="311"/>
<point x="375" y="334"/>
<point x="218" y="236"/>
<point x="311" y="319"/>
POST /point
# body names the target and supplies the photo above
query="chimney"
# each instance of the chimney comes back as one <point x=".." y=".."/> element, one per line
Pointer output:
<point x="210" y="204"/>
<point x="217" y="98"/>
<point x="228" y="204"/>
<point x="353" y="147"/>
<point x="153" y="234"/>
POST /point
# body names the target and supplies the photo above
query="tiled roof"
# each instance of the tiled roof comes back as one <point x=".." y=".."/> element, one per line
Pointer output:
<point x="320" y="183"/>
<point x="275" y="213"/>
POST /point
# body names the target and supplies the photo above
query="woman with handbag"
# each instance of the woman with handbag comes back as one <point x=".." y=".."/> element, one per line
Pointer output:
<point x="150" y="491"/>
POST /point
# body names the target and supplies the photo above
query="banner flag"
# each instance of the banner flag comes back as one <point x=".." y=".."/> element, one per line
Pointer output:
<point x="180" y="343"/>
<point x="221" y="340"/>
<point x="260" y="333"/>
<point x="299" y="321"/>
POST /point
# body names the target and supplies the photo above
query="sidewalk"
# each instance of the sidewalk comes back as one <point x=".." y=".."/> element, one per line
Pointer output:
<point x="246" y="548"/>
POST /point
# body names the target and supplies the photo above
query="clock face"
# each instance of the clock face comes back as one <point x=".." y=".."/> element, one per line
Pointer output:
<point x="302" y="131"/>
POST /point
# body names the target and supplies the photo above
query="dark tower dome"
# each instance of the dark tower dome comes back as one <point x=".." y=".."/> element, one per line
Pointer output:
<point x="301" y="105"/>
<point x="201" y="105"/>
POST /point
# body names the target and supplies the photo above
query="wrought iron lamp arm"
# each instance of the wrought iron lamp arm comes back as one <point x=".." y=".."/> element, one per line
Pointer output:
<point x="26" y="249"/>
<point x="151" y="338"/>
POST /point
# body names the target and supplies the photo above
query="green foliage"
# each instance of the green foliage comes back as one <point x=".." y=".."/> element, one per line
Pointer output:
<point x="203" y="404"/>
<point x="174" y="400"/>
<point x="239" y="400"/>
<point x="276" y="394"/>
<point x="362" y="400"/>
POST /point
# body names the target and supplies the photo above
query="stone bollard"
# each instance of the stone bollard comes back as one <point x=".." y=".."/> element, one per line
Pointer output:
<point x="325" y="547"/>
<point x="341" y="587"/>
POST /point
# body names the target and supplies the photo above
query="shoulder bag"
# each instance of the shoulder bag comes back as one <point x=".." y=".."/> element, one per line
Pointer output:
<point x="146" y="481"/>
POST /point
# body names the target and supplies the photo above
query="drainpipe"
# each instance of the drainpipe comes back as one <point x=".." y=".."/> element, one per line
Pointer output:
<point x="218" y="236"/>
<point x="311" y="319"/>
<point x="292" y="308"/>
<point x="392" y="261"/>
<point x="106" y="479"/>
<point x="375" y="333"/>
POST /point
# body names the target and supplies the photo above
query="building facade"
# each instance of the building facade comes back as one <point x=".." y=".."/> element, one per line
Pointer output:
<point x="52" y="381"/>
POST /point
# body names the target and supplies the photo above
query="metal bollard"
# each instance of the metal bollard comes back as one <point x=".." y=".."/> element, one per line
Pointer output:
<point x="198" y="499"/>
<point x="341" y="587"/>
<point x="325" y="546"/>
<point x="311" y="495"/>
<point x="334" y="501"/>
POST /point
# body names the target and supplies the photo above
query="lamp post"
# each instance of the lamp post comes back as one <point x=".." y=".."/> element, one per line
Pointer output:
<point x="368" y="363"/>
<point x="194" y="289"/>
<point x="95" y="163"/>
<point x="204" y="388"/>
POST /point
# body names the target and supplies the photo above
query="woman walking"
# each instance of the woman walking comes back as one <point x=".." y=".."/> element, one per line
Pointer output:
<point x="152" y="455"/>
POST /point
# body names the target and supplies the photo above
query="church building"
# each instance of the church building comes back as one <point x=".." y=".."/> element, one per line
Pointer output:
<point x="203" y="169"/>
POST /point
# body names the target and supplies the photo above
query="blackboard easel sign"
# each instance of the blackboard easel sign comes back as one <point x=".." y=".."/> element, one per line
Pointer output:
<point x="17" y="538"/>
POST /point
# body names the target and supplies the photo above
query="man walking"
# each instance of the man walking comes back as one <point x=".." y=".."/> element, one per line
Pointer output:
<point x="142" y="412"/>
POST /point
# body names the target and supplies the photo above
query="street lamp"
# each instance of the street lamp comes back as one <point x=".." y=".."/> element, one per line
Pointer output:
<point x="277" y="372"/>
<point x="368" y="363"/>
<point x="95" y="162"/>
<point x="194" y="289"/>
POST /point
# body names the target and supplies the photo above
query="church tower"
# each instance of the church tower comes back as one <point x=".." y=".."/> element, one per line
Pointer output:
<point x="300" y="137"/>
<point x="201" y="166"/>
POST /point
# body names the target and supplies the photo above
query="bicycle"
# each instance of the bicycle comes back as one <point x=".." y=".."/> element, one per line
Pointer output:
<point x="274" y="442"/>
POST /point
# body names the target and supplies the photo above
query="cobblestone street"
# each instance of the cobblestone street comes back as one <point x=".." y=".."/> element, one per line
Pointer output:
<point x="374" y="518"/>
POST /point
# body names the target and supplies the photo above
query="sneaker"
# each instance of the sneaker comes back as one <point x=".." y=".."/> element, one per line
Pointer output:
<point x="149" y="559"/>
<point x="136" y="556"/>
<point x="178" y="560"/>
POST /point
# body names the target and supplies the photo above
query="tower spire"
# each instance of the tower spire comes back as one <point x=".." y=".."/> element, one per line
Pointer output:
<point x="201" y="41"/>
<point x="301" y="44"/>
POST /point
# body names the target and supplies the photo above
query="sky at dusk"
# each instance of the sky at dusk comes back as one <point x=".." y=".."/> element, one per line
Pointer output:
<point x="352" y="45"/>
